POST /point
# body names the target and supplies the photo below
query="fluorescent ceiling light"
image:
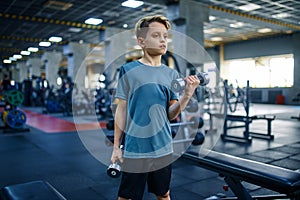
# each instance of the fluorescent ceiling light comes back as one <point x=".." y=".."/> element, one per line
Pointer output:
<point x="33" y="49"/>
<point x="214" y="30"/>
<point x="125" y="25"/>
<point x="25" y="53"/>
<point x="6" y="61"/>
<point x="17" y="56"/>
<point x="93" y="21"/>
<point x="12" y="59"/>
<point x="55" y="39"/>
<point x="132" y="3"/>
<point x="216" y="39"/>
<point x="237" y="25"/>
<point x="249" y="7"/>
<point x="212" y="18"/>
<point x="45" y="44"/>
<point x="281" y="15"/>
<point x="264" y="30"/>
<point x="74" y="30"/>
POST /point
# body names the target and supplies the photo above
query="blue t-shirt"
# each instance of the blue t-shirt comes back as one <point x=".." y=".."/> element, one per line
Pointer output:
<point x="147" y="92"/>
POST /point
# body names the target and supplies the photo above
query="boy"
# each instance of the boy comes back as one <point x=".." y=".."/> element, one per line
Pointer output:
<point x="146" y="105"/>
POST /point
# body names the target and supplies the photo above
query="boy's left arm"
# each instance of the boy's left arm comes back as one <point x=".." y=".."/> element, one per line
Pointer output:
<point x="176" y="107"/>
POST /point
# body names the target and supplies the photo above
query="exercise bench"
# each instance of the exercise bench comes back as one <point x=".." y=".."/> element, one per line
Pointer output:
<point x="235" y="170"/>
<point x="244" y="120"/>
<point x="40" y="190"/>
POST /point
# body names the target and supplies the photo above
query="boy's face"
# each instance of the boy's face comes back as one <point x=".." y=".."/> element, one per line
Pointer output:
<point x="155" y="41"/>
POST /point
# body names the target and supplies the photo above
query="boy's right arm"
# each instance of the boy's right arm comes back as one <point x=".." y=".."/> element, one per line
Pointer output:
<point x="119" y="125"/>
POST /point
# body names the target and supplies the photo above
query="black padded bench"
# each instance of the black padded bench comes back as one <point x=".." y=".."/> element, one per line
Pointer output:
<point x="39" y="190"/>
<point x="235" y="170"/>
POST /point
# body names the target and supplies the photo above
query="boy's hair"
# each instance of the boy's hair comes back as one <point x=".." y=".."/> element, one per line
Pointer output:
<point x="142" y="25"/>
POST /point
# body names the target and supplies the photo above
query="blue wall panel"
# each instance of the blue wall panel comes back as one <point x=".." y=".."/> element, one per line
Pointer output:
<point x="257" y="48"/>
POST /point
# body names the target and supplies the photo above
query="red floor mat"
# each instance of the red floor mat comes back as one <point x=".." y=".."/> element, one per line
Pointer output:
<point x="50" y="124"/>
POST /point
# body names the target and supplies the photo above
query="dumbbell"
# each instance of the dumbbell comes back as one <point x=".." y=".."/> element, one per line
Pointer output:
<point x="114" y="170"/>
<point x="194" y="123"/>
<point x="178" y="84"/>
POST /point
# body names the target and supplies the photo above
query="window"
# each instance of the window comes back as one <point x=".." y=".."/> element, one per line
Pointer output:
<point x="262" y="72"/>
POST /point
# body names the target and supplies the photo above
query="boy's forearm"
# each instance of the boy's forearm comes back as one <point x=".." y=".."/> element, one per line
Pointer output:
<point x="119" y="125"/>
<point x="176" y="108"/>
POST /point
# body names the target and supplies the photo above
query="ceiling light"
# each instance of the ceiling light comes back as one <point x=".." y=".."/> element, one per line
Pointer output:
<point x="6" y="61"/>
<point x="214" y="30"/>
<point x="25" y="53"/>
<point x="57" y="5"/>
<point x="17" y="56"/>
<point x="212" y="18"/>
<point x="216" y="39"/>
<point x="33" y="49"/>
<point x="264" y="30"/>
<point x="132" y="3"/>
<point x="281" y="15"/>
<point x="93" y="21"/>
<point x="12" y="59"/>
<point x="111" y="22"/>
<point x="55" y="39"/>
<point x="45" y="44"/>
<point x="125" y="25"/>
<point x="237" y="25"/>
<point x="249" y="7"/>
<point x="75" y="30"/>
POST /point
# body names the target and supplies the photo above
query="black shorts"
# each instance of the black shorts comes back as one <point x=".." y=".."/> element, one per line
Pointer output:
<point x="133" y="184"/>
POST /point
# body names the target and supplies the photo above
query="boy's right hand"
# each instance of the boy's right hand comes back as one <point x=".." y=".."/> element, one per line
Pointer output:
<point x="117" y="155"/>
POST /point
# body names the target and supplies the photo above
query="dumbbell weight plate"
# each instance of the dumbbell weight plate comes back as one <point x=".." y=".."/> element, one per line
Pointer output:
<point x="114" y="170"/>
<point x="178" y="85"/>
<point x="199" y="139"/>
<point x="197" y="122"/>
<point x="15" y="97"/>
<point x="15" y="119"/>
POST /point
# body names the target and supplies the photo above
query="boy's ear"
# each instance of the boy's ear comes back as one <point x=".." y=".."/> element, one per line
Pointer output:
<point x="141" y="41"/>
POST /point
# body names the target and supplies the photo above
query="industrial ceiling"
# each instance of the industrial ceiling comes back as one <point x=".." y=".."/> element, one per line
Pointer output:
<point x="25" y="23"/>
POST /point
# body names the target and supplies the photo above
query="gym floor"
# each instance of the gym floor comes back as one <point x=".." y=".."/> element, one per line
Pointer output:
<point x="53" y="151"/>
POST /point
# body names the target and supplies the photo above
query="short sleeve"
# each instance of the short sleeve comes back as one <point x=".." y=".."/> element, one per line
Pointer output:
<point x="122" y="85"/>
<point x="173" y="95"/>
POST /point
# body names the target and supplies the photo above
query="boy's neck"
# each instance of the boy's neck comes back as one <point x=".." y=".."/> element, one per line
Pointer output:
<point x="154" y="61"/>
